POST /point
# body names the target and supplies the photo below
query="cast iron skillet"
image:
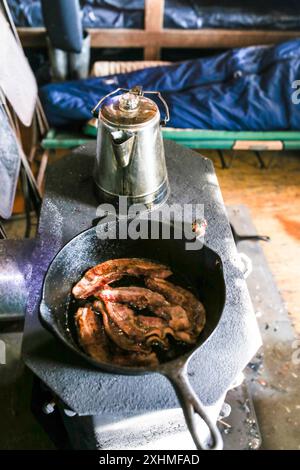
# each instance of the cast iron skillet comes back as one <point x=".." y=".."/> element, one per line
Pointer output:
<point x="201" y="269"/>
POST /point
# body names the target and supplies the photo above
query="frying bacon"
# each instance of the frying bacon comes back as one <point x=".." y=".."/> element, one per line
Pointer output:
<point x="138" y="297"/>
<point x="147" y="329"/>
<point x="123" y="324"/>
<point x="131" y="332"/>
<point x="141" y="298"/>
<point x="122" y="340"/>
<point x="95" y="343"/>
<point x="135" y="326"/>
<point x="91" y="334"/>
<point x="113" y="270"/>
<point x="180" y="296"/>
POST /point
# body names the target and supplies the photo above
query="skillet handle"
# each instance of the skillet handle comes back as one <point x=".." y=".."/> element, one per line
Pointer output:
<point x="192" y="407"/>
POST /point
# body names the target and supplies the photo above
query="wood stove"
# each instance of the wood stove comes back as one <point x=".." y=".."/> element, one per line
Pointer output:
<point x="110" y="411"/>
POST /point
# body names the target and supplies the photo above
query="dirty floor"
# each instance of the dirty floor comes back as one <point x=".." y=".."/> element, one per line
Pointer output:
<point x="273" y="197"/>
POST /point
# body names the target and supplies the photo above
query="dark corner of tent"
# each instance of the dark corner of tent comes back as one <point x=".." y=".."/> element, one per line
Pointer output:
<point x="149" y="228"/>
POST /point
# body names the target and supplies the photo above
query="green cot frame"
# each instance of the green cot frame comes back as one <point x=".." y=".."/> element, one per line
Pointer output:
<point x="192" y="138"/>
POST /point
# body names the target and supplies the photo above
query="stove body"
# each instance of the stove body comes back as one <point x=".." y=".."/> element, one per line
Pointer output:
<point x="111" y="411"/>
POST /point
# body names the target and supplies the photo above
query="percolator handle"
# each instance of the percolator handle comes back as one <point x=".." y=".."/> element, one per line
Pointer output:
<point x="166" y="119"/>
<point x="138" y="91"/>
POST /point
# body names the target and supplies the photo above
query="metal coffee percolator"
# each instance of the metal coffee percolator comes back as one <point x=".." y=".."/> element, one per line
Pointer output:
<point x="130" y="153"/>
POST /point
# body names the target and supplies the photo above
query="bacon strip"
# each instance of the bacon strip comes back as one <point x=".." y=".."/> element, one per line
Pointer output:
<point x="95" y="343"/>
<point x="180" y="296"/>
<point x="116" y="334"/>
<point x="141" y="298"/>
<point x="113" y="270"/>
<point x="138" y="297"/>
<point x="110" y="330"/>
<point x="91" y="334"/>
<point x="134" y="326"/>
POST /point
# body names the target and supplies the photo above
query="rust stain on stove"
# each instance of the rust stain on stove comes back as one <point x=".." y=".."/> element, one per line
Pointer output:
<point x="292" y="227"/>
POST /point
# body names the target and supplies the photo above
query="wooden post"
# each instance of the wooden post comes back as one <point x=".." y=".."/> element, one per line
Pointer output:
<point x="154" y="17"/>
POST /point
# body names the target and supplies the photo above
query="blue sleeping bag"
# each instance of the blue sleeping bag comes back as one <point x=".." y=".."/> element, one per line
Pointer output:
<point x="242" y="89"/>
<point x="183" y="14"/>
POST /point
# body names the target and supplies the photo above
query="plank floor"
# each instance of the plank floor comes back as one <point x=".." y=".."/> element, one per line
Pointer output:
<point x="273" y="197"/>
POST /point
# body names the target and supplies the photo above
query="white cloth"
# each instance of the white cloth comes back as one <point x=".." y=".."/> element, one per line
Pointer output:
<point x="16" y="78"/>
